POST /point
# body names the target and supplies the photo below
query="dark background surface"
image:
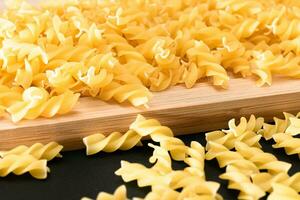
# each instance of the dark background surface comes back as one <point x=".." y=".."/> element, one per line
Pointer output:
<point x="76" y="175"/>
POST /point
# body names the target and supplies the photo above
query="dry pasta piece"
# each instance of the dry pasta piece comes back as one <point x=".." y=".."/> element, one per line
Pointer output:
<point x="123" y="50"/>
<point x="294" y="126"/>
<point x="195" y="159"/>
<point x="238" y="180"/>
<point x="20" y="164"/>
<point x="37" y="150"/>
<point x="280" y="126"/>
<point x="143" y="175"/>
<point x="254" y="124"/>
<point x="261" y="159"/>
<point x="288" y="142"/>
<point x="114" y="141"/>
<point x="161" y="134"/>
<point x="119" y="194"/>
<point x="283" y="192"/>
<point x="226" y="157"/>
<point x="265" y="180"/>
<point x="162" y="160"/>
<point x="161" y="193"/>
<point x="136" y="94"/>
<point x="36" y="102"/>
<point x="228" y="139"/>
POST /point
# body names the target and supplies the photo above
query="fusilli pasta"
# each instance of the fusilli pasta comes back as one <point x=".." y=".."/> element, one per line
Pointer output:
<point x="119" y="194"/>
<point x="123" y="50"/>
<point x="20" y="164"/>
<point x="37" y="150"/>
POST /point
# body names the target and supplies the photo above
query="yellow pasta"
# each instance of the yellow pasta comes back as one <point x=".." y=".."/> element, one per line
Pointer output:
<point x="162" y="160"/>
<point x="226" y="157"/>
<point x="195" y="159"/>
<point x="265" y="180"/>
<point x="261" y="159"/>
<point x="238" y="180"/>
<point x="143" y="175"/>
<point x="20" y="164"/>
<point x="119" y="194"/>
<point x="253" y="125"/>
<point x="283" y="192"/>
<point x="294" y="126"/>
<point x="161" y="193"/>
<point x="37" y="150"/>
<point x="280" y="126"/>
<point x="114" y="141"/>
<point x="161" y="134"/>
<point x="228" y="140"/>
<point x="122" y="50"/>
<point x="36" y="102"/>
<point x="288" y="142"/>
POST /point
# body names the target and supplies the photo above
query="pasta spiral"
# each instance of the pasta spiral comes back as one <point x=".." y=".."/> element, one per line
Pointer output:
<point x="119" y="194"/>
<point x="261" y="159"/>
<point x="20" y="164"/>
<point x="201" y="54"/>
<point x="36" y="102"/>
<point x="144" y="176"/>
<point x="9" y="96"/>
<point x="253" y="125"/>
<point x="161" y="193"/>
<point x="114" y="141"/>
<point x="195" y="159"/>
<point x="280" y="126"/>
<point x="265" y="180"/>
<point x="288" y="142"/>
<point x="37" y="150"/>
<point x="283" y="192"/>
<point x="226" y="157"/>
<point x="238" y="180"/>
<point x="294" y="126"/>
<point x="134" y="93"/>
<point x="162" y="160"/>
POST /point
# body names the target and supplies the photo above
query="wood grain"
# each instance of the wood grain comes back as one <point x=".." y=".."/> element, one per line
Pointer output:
<point x="186" y="111"/>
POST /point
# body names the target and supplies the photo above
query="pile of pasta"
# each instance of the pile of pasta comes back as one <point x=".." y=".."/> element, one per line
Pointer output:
<point x="52" y="54"/>
<point x="248" y="168"/>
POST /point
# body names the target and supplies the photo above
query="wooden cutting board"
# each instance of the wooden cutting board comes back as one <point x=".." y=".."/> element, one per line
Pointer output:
<point x="186" y="111"/>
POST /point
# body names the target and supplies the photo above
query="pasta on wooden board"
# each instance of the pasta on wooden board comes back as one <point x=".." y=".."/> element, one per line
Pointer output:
<point x="37" y="102"/>
<point x="238" y="180"/>
<point x="123" y="50"/>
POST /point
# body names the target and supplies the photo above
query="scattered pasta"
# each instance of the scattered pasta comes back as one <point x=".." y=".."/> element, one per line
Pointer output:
<point x="37" y="150"/>
<point x="119" y="194"/>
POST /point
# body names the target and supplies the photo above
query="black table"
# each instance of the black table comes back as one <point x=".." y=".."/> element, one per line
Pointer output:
<point x="77" y="175"/>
